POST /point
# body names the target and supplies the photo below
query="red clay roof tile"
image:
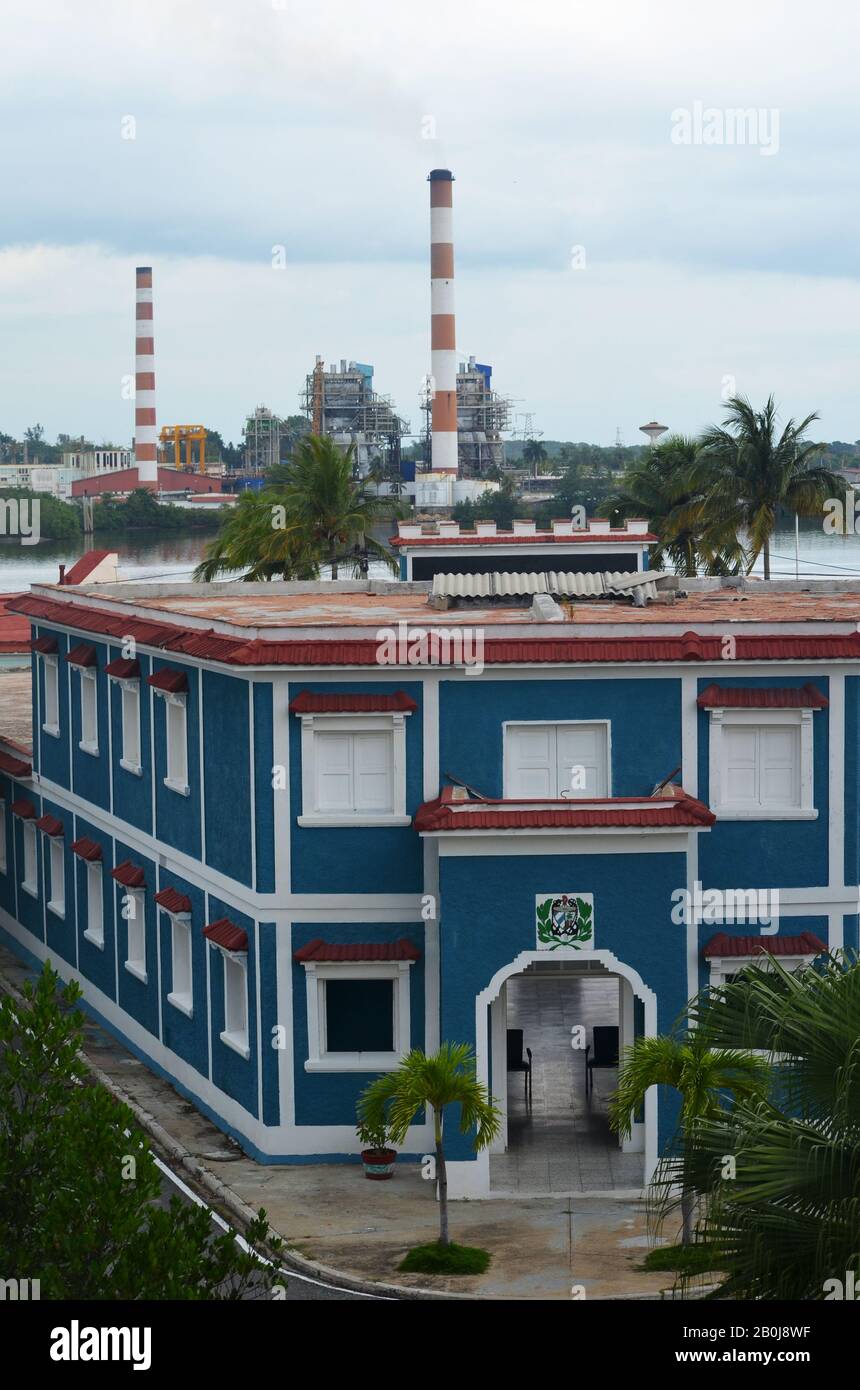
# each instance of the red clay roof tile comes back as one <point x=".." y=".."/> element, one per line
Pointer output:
<point x="806" y="944"/>
<point x="333" y="951"/>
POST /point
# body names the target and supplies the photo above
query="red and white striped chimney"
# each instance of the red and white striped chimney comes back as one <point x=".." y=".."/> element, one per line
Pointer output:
<point x="443" y="340"/>
<point x="145" y="438"/>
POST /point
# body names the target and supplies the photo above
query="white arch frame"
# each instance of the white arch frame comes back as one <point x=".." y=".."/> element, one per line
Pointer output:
<point x="471" y="1177"/>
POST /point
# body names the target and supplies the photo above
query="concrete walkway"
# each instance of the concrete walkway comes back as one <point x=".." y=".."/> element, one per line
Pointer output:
<point x="541" y="1247"/>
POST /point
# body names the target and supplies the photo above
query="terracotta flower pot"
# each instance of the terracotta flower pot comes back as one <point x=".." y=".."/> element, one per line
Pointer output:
<point x="378" y="1163"/>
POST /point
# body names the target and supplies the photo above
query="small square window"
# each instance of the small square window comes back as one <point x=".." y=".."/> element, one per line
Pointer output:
<point x="235" y="1032"/>
<point x="354" y="769"/>
<point x="130" y="705"/>
<point x="89" y="713"/>
<point x="761" y="764"/>
<point x="134" y="912"/>
<point x="181" y="994"/>
<point x="28" y="882"/>
<point x="177" y="744"/>
<point x="359" y="1015"/>
<point x="51" y="721"/>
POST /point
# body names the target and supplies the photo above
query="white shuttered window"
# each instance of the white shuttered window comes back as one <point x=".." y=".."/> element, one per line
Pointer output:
<point x="557" y="761"/>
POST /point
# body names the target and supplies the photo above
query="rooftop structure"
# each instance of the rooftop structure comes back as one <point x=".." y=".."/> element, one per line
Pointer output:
<point x="446" y="548"/>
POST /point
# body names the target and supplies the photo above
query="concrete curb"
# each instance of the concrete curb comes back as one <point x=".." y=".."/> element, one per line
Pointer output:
<point x="226" y="1199"/>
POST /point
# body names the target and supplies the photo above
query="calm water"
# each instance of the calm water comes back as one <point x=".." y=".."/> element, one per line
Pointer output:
<point x="174" y="557"/>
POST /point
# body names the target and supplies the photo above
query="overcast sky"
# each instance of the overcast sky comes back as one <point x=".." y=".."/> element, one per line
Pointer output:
<point x="609" y="271"/>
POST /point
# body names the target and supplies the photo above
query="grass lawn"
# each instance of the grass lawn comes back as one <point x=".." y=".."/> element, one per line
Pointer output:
<point x="445" y="1259"/>
<point x="681" y="1259"/>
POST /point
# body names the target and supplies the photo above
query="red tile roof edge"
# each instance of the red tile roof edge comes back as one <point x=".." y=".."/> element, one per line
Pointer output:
<point x="173" y="901"/>
<point x="50" y="826"/>
<point x="87" y="849"/>
<point x="722" y="944"/>
<point x="319" y="950"/>
<point x="298" y="652"/>
<point x="82" y="655"/>
<point x="15" y="767"/>
<point x="342" y="702"/>
<point x="750" y="697"/>
<point x="124" y="668"/>
<point x="171" y="681"/>
<point x="129" y="875"/>
<point x="226" y="934"/>
<point x="445" y="814"/>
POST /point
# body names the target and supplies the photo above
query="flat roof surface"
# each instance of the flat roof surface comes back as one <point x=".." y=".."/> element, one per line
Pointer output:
<point x="253" y="608"/>
<point x="16" y="708"/>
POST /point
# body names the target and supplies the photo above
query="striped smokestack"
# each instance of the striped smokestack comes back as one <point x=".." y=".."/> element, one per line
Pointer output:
<point x="145" y="440"/>
<point x="443" y="341"/>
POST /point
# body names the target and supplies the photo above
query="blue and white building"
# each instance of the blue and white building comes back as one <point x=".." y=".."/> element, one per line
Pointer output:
<point x="280" y="835"/>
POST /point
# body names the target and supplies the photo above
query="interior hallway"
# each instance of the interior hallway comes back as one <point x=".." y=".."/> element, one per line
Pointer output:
<point x="564" y="1144"/>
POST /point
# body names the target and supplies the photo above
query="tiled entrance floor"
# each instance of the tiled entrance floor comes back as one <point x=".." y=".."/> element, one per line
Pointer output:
<point x="564" y="1144"/>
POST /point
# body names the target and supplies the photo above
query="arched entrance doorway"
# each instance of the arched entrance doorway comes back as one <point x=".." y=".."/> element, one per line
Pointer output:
<point x="561" y="1141"/>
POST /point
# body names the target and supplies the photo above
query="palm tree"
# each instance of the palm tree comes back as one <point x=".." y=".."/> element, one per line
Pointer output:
<point x="668" y="487"/>
<point x="445" y="1078"/>
<point x="312" y="511"/>
<point x="753" y="472"/>
<point x="788" y="1221"/>
<point x="249" y="544"/>
<point x="534" y="455"/>
<point x="700" y="1074"/>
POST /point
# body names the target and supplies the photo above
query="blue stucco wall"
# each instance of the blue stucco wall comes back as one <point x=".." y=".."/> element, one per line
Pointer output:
<point x="177" y="817"/>
<point x="232" y="1073"/>
<point x="328" y="1098"/>
<point x="379" y="859"/>
<point x="53" y="752"/>
<point x="264" y="795"/>
<point x="185" y="1036"/>
<point x="487" y="918"/>
<point x="645" y="720"/>
<point x="132" y="794"/>
<point x="767" y="853"/>
<point x="227" y="763"/>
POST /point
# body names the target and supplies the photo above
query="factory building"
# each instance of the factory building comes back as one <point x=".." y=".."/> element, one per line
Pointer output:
<point x="340" y="402"/>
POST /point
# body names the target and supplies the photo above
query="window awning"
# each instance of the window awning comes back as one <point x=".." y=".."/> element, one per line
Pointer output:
<point x="748" y="697"/>
<point x="340" y="702"/>
<point x="123" y="669"/>
<point x="87" y="849"/>
<point x="806" y="944"/>
<point x="227" y="935"/>
<point x="49" y="825"/>
<point x="173" y="901"/>
<point x="82" y="655"/>
<point x="129" y="875"/>
<point x="46" y="646"/>
<point x="15" y="767"/>
<point x="24" y="810"/>
<point x="169" y="681"/>
<point x="344" y="952"/>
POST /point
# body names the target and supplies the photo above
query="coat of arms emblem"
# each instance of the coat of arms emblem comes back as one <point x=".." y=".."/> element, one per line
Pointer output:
<point x="564" y="919"/>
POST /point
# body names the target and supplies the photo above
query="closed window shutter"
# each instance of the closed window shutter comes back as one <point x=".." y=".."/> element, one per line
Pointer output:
<point x="131" y="724"/>
<point x="582" y="747"/>
<point x="532" y="762"/>
<point x="780" y="765"/>
<point x="334" y="772"/>
<point x="372" y="755"/>
<point x="740" y="765"/>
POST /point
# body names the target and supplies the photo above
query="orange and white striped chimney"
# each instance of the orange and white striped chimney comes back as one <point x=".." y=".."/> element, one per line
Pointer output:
<point x="145" y="439"/>
<point x="443" y="339"/>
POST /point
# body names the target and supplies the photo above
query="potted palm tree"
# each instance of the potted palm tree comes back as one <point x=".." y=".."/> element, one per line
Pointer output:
<point x="377" y="1157"/>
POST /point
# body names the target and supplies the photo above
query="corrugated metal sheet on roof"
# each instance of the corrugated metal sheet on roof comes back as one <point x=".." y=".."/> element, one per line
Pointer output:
<point x="561" y="583"/>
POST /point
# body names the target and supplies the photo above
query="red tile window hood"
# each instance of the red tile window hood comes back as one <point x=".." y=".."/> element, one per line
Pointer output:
<point x="451" y="812"/>
<point x="49" y="825"/>
<point x="173" y="901"/>
<point x="806" y="944"/>
<point x="129" y="875"/>
<point x="169" y="682"/>
<point x="227" y="935"/>
<point x="87" y="849"/>
<point x="748" y="697"/>
<point x="82" y="655"/>
<point x="123" y="669"/>
<point x="46" y="646"/>
<point x="24" y="810"/>
<point x="339" y="702"/>
<point x="15" y="767"/>
<point x="335" y="952"/>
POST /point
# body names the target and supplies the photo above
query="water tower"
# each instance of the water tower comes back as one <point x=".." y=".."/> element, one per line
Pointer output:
<point x="653" y="431"/>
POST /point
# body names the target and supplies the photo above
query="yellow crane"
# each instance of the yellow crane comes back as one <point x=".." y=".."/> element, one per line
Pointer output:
<point x="187" y="435"/>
